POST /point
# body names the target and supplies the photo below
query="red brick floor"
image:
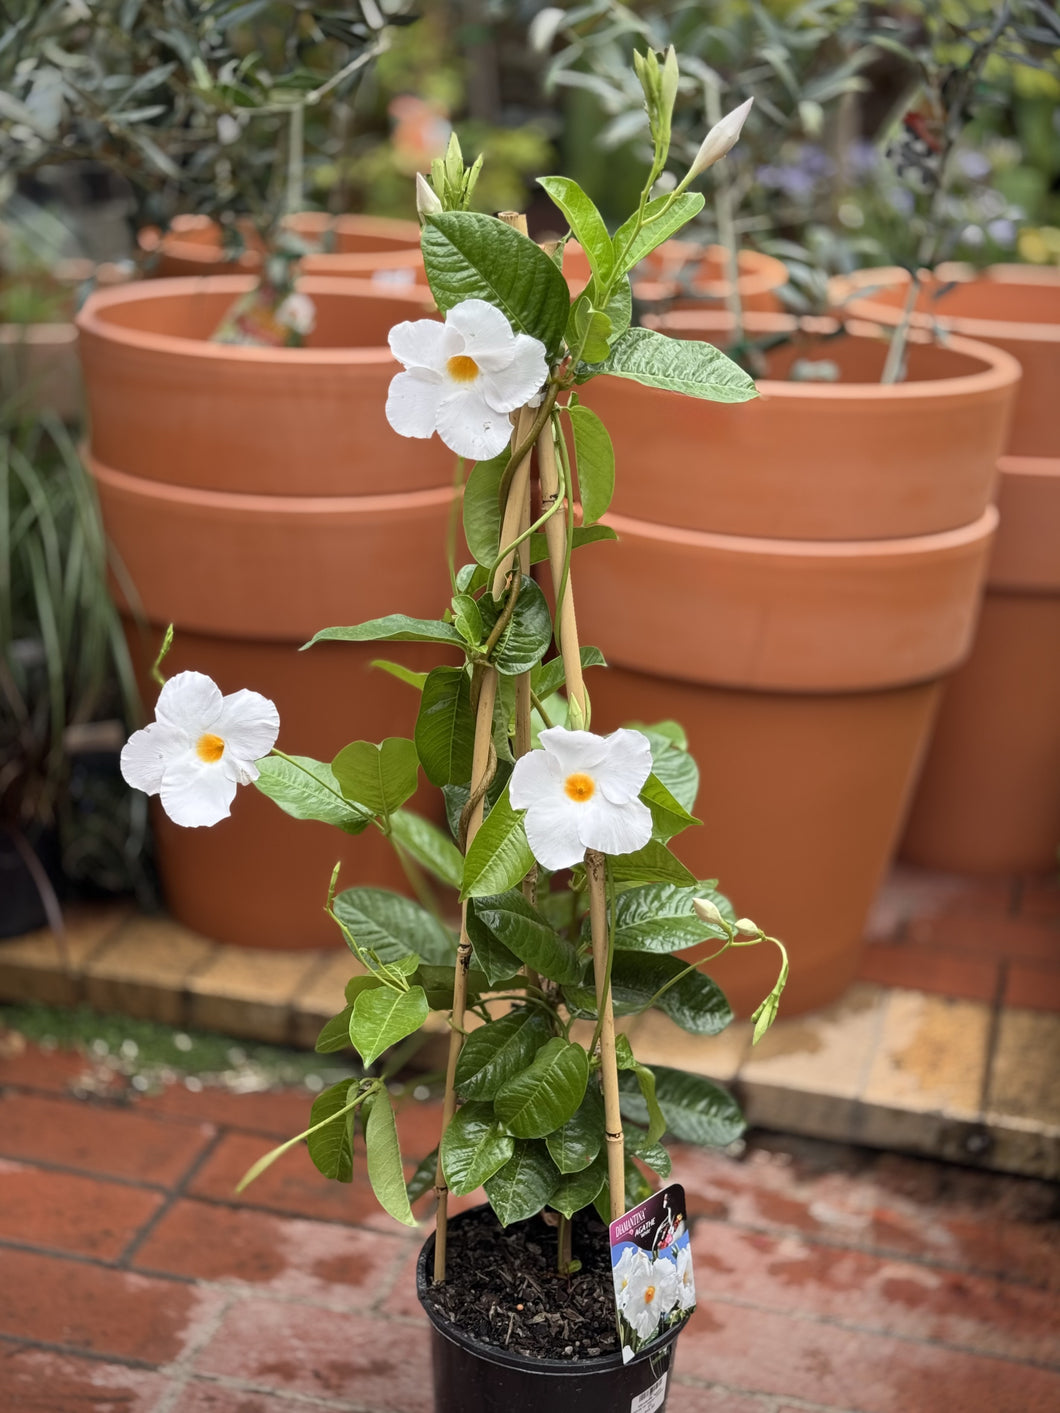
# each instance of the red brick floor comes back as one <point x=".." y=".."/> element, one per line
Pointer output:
<point x="133" y="1280"/>
<point x="982" y="939"/>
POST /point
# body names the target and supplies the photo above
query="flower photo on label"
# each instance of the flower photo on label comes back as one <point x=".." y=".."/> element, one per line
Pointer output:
<point x="580" y="791"/>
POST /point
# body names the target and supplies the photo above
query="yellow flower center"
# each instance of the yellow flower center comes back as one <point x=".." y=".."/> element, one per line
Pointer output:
<point x="580" y="787"/>
<point x="649" y="1295"/>
<point x="209" y="748"/>
<point x="462" y="369"/>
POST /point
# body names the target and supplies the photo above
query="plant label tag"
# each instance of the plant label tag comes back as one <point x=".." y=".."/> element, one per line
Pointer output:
<point x="651" y="1262"/>
<point x="651" y="1399"/>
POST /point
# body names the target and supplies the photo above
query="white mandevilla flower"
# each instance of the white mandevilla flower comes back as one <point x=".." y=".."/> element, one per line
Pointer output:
<point x="630" y="1260"/>
<point x="721" y="139"/>
<point x="686" y="1281"/>
<point x="200" y="746"/>
<point x="297" y="312"/>
<point x="651" y="1294"/>
<point x="462" y="378"/>
<point x="580" y="792"/>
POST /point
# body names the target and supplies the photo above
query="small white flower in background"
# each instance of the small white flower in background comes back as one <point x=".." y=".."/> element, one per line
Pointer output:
<point x="630" y="1260"/>
<point x="297" y="312"/>
<point x="580" y="792"/>
<point x="463" y="378"/>
<point x="228" y="129"/>
<point x="722" y="138"/>
<point x="686" y="1281"/>
<point x="651" y="1294"/>
<point x="200" y="746"/>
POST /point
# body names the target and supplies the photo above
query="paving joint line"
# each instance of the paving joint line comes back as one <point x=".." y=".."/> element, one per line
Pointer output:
<point x="82" y="1259"/>
<point x="173" y="1195"/>
<point x="181" y="1369"/>
<point x="47" y="1165"/>
<point x="75" y="1351"/>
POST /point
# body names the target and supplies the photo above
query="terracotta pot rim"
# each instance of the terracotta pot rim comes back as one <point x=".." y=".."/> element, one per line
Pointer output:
<point x="1002" y="369"/>
<point x="152" y="239"/>
<point x="1030" y="465"/>
<point x="61" y="334"/>
<point x="256" y="504"/>
<point x="1011" y="330"/>
<point x="92" y="318"/>
<point x="711" y="541"/>
<point x="764" y="273"/>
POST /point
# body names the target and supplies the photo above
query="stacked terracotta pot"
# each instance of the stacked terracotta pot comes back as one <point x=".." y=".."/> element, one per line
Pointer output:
<point x="794" y="579"/>
<point x="989" y="797"/>
<point x="254" y="496"/>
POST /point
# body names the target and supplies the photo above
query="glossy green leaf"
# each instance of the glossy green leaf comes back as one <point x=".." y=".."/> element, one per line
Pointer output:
<point x="668" y="815"/>
<point x="379" y="777"/>
<point x="677" y="365"/>
<point x="499" y="857"/>
<point x="694" y="1002"/>
<point x="437" y="982"/>
<point x="482" y="508"/>
<point x="671" y="762"/>
<point x="588" y="332"/>
<point x="521" y="928"/>
<point x="583" y="535"/>
<point x="393" y="926"/>
<point x="578" y="1142"/>
<point x="394" y="628"/>
<point x="631" y="249"/>
<point x="384" y="1159"/>
<point x="445" y="727"/>
<point x="492" y="955"/>
<point x="696" y="1110"/>
<point x="542" y="1098"/>
<point x="595" y="458"/>
<point x="467" y="619"/>
<point x="585" y="221"/>
<point x="654" y="863"/>
<point x="381" y="1017"/>
<point x="422" y="1180"/>
<point x="402" y="673"/>
<point x="525" y="640"/>
<point x="335" y="1033"/>
<point x="654" y="1155"/>
<point x="550" y="676"/>
<point x="471" y="256"/>
<point x="427" y="844"/>
<point x="524" y="1185"/>
<point x="307" y="789"/>
<point x="331" y="1147"/>
<point x="656" y="1119"/>
<point x="579" y="1189"/>
<point x="659" y="917"/>
<point x="494" y="1053"/>
<point x="474" y="1147"/>
<point x="618" y="306"/>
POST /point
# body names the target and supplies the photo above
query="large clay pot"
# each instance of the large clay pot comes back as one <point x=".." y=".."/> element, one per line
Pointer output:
<point x="684" y="276"/>
<point x="358" y="246"/>
<point x="989" y="797"/>
<point x="805" y="665"/>
<point x="254" y="496"/>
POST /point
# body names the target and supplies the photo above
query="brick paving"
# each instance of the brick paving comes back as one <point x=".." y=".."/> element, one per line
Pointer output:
<point x="832" y="1279"/>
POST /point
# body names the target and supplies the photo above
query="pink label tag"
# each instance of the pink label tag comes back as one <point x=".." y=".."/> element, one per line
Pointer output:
<point x="651" y="1261"/>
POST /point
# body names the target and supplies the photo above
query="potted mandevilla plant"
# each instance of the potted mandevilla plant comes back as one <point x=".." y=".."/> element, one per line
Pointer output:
<point x="572" y="906"/>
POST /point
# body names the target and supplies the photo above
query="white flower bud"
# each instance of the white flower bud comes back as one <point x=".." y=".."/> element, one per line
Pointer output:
<point x="707" y="912"/>
<point x="427" y="202"/>
<point x="746" y="928"/>
<point x="721" y="139"/>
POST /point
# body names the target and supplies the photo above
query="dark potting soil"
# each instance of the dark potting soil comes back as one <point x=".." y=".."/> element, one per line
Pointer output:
<point x="502" y="1288"/>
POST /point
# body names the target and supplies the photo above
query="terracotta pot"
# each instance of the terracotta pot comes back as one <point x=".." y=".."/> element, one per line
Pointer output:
<point x="989" y="797"/>
<point x="806" y="675"/>
<point x="361" y="247"/>
<point x="845" y="460"/>
<point x="229" y="532"/>
<point x="686" y="276"/>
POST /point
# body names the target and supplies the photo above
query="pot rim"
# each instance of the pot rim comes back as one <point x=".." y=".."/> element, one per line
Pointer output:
<point x="865" y="307"/>
<point x="173" y="243"/>
<point x="92" y="321"/>
<point x="490" y="1354"/>
<point x="1002" y="369"/>
<point x="758" y="273"/>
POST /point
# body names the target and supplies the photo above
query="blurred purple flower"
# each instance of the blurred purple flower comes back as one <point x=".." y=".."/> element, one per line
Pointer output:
<point x="974" y="165"/>
<point x="1003" y="231"/>
<point x="862" y="158"/>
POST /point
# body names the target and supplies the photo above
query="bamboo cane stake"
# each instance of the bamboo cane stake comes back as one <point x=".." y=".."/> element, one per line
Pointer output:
<point x="595" y="868"/>
<point x="556" y="539"/>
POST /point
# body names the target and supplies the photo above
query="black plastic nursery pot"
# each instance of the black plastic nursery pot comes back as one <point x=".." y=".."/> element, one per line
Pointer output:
<point x="471" y="1376"/>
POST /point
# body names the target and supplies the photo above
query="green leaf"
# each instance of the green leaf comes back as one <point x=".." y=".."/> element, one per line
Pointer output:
<point x="422" y="1180"/>
<point x="467" y="619"/>
<point x="551" y="676"/>
<point x="653" y="1154"/>
<point x="394" y="628"/>
<point x="669" y="816"/>
<point x="585" y="222"/>
<point x="499" y="857"/>
<point x="659" y="917"/>
<point x="445" y="727"/>
<point x="363" y="981"/>
<point x="331" y="1147"/>
<point x="526" y="638"/>
<point x="493" y="956"/>
<point x="618" y="307"/>
<point x="482" y="508"/>
<point x="671" y="762"/>
<point x="382" y="1017"/>
<point x="474" y="1147"/>
<point x="378" y="777"/>
<point x="307" y="789"/>
<point x="437" y="982"/>
<point x="656" y="1119"/>
<point x="588" y="332"/>
<point x="524" y="1185"/>
<point x="595" y="458"/>
<point x="652" y="864"/>
<point x="384" y="1159"/>
<point x="335" y="1034"/>
<point x="574" y="1146"/>
<point x="695" y="1002"/>
<point x="471" y="256"/>
<point x="393" y="926"/>
<point x="677" y="365"/>
<point x="494" y="1053"/>
<point x="583" y="535"/>
<point x="661" y="227"/>
<point x="428" y="845"/>
<point x="403" y="674"/>
<point x="696" y="1110"/>
<point x="542" y="1098"/>
<point x="520" y="927"/>
<point x="578" y="1189"/>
